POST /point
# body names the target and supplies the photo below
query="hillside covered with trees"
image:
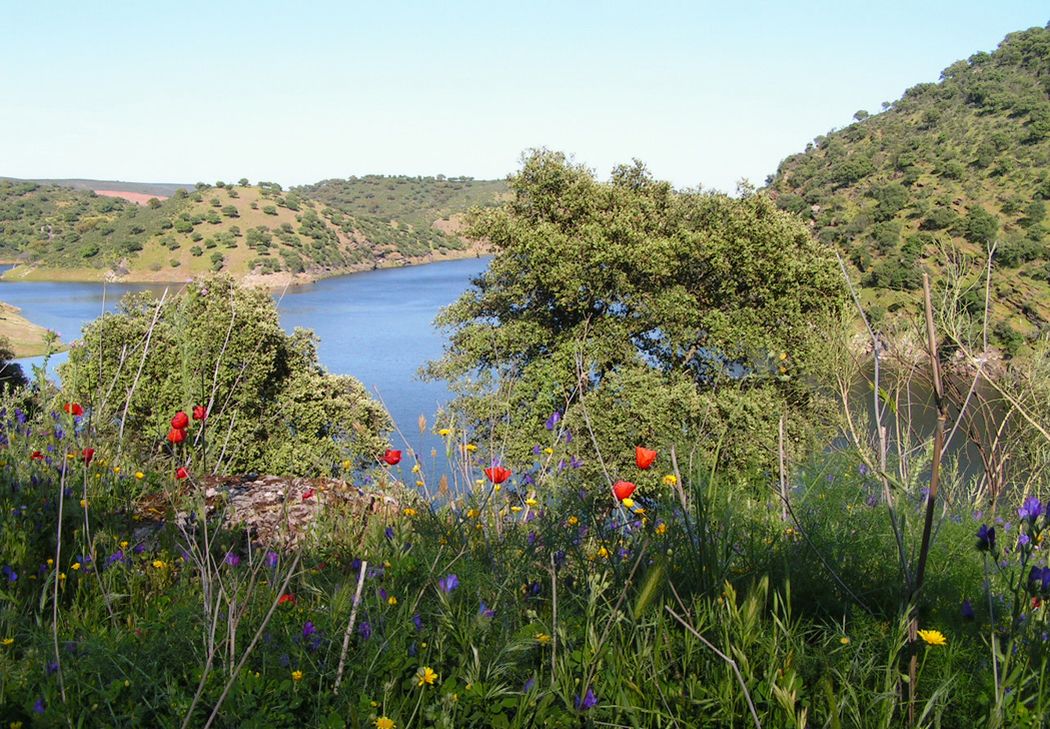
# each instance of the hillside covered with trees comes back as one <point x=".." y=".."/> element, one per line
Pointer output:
<point x="241" y="229"/>
<point x="947" y="173"/>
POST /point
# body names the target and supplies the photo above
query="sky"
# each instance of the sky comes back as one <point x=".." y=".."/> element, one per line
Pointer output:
<point x="704" y="93"/>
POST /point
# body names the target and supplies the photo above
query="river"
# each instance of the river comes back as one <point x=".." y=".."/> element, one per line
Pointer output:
<point x="376" y="326"/>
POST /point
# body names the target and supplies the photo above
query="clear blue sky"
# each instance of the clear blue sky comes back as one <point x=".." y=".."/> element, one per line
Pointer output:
<point x="703" y="92"/>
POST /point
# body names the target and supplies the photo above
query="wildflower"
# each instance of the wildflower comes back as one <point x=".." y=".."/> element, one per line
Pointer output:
<point x="232" y="559"/>
<point x="180" y="421"/>
<point x="286" y="598"/>
<point x="271" y="559"/>
<point x="140" y="475"/>
<point x="182" y="473"/>
<point x="39" y="706"/>
<point x="417" y="621"/>
<point x="643" y="457"/>
<point x="670" y="480"/>
<point x="176" y="436"/>
<point x="603" y="552"/>
<point x="365" y="630"/>
<point x="1023" y="540"/>
<point x="426" y="676"/>
<point x="392" y="457"/>
<point x="628" y="502"/>
<point x="385" y="722"/>
<point x="497" y="474"/>
<point x="124" y="544"/>
<point x="7" y="641"/>
<point x="470" y="447"/>
<point x="117" y="556"/>
<point x="200" y="412"/>
<point x="623" y="489"/>
<point x="297" y="675"/>
<point x="1039" y="579"/>
<point x="661" y="528"/>
<point x="75" y="566"/>
<point x="308" y="629"/>
<point x="159" y="564"/>
<point x="408" y="511"/>
<point x="308" y="494"/>
<point x="572" y="521"/>
<point x="472" y="513"/>
<point x="83" y="503"/>
<point x="986" y="538"/>
<point x="36" y="456"/>
<point x="10" y="573"/>
<point x="116" y="470"/>
<point x="391" y="601"/>
<point x="548" y="451"/>
<point x="73" y="408"/>
<point x="933" y="637"/>
<point x="448" y="583"/>
<point x="420" y="484"/>
<point x="89" y="453"/>
<point x="416" y="468"/>
<point x="543" y="638"/>
<point x="445" y="432"/>
<point x="553" y="420"/>
<point x="531" y="502"/>
<point x="485" y="611"/>
<point x="515" y="508"/>
<point x="589" y="701"/>
<point x="844" y="640"/>
<point x="967" y="610"/>
<point x="1031" y="509"/>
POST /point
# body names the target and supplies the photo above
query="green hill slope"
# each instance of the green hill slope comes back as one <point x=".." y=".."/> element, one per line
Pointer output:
<point x="60" y="232"/>
<point x="946" y="171"/>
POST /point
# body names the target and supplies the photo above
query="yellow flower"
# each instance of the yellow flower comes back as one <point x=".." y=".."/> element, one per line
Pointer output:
<point x="50" y="562"/>
<point x="83" y="503"/>
<point x="444" y="432"/>
<point x="426" y="676"/>
<point x="409" y="511"/>
<point x="385" y="722"/>
<point x="416" y="468"/>
<point x="472" y="513"/>
<point x="391" y="600"/>
<point x="124" y="544"/>
<point x="844" y="640"/>
<point x="572" y="521"/>
<point x="933" y="637"/>
<point x="16" y="725"/>
<point x="549" y="451"/>
<point x="496" y="487"/>
<point x="420" y="484"/>
<point x="116" y="469"/>
<point x="471" y="447"/>
<point x="670" y="480"/>
<point x="61" y="575"/>
<point x="515" y="508"/>
<point x="7" y="641"/>
<point x="628" y="502"/>
<point x="75" y="566"/>
<point x="603" y="552"/>
<point x="531" y="501"/>
<point x="346" y="465"/>
<point x="543" y="638"/>
<point x="140" y="475"/>
<point x="159" y="564"/>
<point x="297" y="675"/>
<point x="661" y="528"/>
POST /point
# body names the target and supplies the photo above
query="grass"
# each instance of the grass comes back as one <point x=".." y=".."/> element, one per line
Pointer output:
<point x="26" y="338"/>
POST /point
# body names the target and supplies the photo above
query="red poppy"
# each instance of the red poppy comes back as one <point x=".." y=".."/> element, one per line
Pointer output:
<point x="623" y="489"/>
<point x="73" y="408"/>
<point x="644" y="457"/>
<point x="308" y="494"/>
<point x="200" y="412"/>
<point x="392" y="457"/>
<point x="1036" y="602"/>
<point x="181" y="420"/>
<point x="176" y="435"/>
<point x="286" y="598"/>
<point x="37" y="456"/>
<point x="498" y="474"/>
<point x="182" y="473"/>
<point x="88" y="454"/>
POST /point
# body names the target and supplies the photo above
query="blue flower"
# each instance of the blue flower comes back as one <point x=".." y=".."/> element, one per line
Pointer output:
<point x="1031" y="509"/>
<point x="485" y="611"/>
<point x="448" y="583"/>
<point x="308" y="629"/>
<point x="389" y="532"/>
<point x="553" y="420"/>
<point x="232" y="559"/>
<point x="417" y="621"/>
<point x="365" y="629"/>
<point x="986" y="538"/>
<point x="271" y="559"/>
<point x="10" y="574"/>
<point x="589" y="701"/>
<point x="39" y="706"/>
<point x="967" y="610"/>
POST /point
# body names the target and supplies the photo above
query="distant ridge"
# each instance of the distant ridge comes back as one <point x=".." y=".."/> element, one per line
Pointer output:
<point x="167" y="189"/>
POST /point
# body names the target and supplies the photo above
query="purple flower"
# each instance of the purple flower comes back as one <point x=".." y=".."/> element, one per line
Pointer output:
<point x="862" y="469"/>
<point x="52" y="667"/>
<point x="529" y="685"/>
<point x="568" y="436"/>
<point x="967" y="610"/>
<point x="553" y="420"/>
<point x="1031" y="509"/>
<point x="308" y="629"/>
<point x="448" y="583"/>
<point x="389" y="532"/>
<point x="232" y="559"/>
<point x="139" y="548"/>
<point x="485" y="611"/>
<point x="417" y="621"/>
<point x="39" y="706"/>
<point x="117" y="556"/>
<point x="986" y="538"/>
<point x="271" y="559"/>
<point x="536" y="450"/>
<point x="575" y="462"/>
<point x="365" y="629"/>
<point x="589" y="701"/>
<point x="1023" y="540"/>
<point x="1039" y="580"/>
<point x="10" y="574"/>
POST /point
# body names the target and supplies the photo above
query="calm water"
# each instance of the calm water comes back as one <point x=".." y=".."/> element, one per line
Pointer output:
<point x="376" y="326"/>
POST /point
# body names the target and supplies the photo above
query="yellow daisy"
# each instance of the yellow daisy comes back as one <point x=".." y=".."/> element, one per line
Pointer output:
<point x="933" y="637"/>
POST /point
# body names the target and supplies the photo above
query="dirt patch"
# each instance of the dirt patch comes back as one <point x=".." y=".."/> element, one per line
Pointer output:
<point x="139" y="198"/>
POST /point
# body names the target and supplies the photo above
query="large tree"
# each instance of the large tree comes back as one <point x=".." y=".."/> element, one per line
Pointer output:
<point x="666" y="315"/>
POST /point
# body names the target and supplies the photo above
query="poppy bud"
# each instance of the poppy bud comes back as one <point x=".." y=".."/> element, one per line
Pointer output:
<point x="644" y="457"/>
<point x="392" y="457"/>
<point x="497" y="474"/>
<point x="623" y="489"/>
<point x="88" y="454"/>
<point x="182" y="473"/>
<point x="308" y="494"/>
<point x="181" y="420"/>
<point x="176" y="435"/>
<point x="73" y="408"/>
<point x="200" y="412"/>
<point x="37" y="456"/>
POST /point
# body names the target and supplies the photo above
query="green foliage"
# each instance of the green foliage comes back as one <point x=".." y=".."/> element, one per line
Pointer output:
<point x="647" y="310"/>
<point x="273" y="409"/>
<point x="966" y="156"/>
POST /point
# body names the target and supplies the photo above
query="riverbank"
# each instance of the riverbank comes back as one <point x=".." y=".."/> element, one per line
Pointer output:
<point x="27" y="339"/>
<point x="279" y="280"/>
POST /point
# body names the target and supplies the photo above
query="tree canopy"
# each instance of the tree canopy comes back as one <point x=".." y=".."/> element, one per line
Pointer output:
<point x="647" y="311"/>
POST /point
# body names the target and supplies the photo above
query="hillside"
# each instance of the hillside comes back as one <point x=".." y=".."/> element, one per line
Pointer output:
<point x="159" y="189"/>
<point x="940" y="175"/>
<point x="257" y="231"/>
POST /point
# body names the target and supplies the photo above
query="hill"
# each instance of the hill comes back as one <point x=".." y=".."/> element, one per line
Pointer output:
<point x="941" y="175"/>
<point x="158" y="189"/>
<point x="258" y="232"/>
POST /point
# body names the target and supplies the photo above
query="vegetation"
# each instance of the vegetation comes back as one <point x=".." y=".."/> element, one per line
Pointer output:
<point x="945" y="174"/>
